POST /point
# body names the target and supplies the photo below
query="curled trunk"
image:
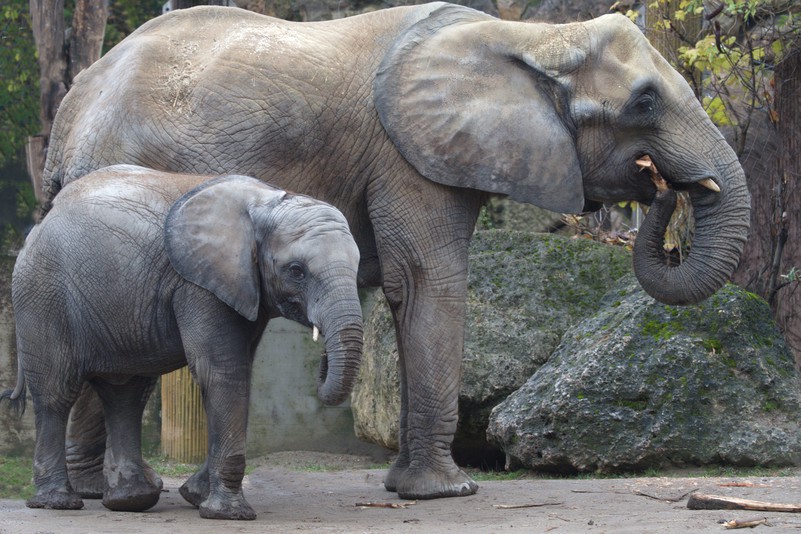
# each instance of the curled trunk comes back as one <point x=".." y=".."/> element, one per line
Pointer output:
<point x="721" y="228"/>
<point x="339" y="366"/>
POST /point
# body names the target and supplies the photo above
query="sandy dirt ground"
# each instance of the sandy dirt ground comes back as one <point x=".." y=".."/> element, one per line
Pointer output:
<point x="291" y="493"/>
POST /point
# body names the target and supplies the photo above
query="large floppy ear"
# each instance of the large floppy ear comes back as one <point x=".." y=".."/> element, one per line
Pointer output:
<point x="211" y="241"/>
<point x="472" y="101"/>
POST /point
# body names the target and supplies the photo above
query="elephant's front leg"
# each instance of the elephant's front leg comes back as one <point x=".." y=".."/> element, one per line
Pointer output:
<point x="217" y="342"/>
<point x="227" y="409"/>
<point x="424" y="262"/>
<point x="431" y="359"/>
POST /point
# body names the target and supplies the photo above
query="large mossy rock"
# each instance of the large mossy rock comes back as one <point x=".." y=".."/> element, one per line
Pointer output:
<point x="525" y="290"/>
<point x="641" y="385"/>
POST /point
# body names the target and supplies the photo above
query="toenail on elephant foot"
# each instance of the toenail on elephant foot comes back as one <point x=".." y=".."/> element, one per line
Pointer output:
<point x="430" y="484"/>
<point x="56" y="500"/>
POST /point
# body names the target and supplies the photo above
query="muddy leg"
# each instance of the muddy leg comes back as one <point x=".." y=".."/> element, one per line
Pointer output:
<point x="86" y="445"/>
<point x="131" y="484"/>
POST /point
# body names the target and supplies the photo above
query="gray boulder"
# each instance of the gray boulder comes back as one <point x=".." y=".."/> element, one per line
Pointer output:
<point x="641" y="384"/>
<point x="525" y="290"/>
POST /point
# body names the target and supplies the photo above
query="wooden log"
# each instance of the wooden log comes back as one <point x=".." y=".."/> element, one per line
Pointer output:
<point x="699" y="501"/>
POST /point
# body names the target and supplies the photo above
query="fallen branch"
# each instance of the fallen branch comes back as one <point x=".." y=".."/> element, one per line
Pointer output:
<point x="746" y="523"/>
<point x="742" y="485"/>
<point x="396" y="505"/>
<point x="664" y="499"/>
<point x="699" y="501"/>
<point x="530" y="505"/>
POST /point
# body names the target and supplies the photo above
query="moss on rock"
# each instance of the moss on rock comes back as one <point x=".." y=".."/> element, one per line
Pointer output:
<point x="641" y="384"/>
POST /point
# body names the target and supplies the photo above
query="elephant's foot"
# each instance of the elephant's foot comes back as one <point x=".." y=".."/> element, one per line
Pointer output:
<point x="399" y="466"/>
<point x="56" y="499"/>
<point x="196" y="489"/>
<point x="427" y="483"/>
<point x="87" y="478"/>
<point x="133" y="493"/>
<point x="225" y="505"/>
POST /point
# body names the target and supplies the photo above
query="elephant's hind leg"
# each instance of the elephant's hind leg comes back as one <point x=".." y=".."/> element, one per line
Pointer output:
<point x="53" y="489"/>
<point x="86" y="444"/>
<point x="131" y="484"/>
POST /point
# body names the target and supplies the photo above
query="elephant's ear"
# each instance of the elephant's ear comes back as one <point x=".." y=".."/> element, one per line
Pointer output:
<point x="211" y="240"/>
<point x="472" y="101"/>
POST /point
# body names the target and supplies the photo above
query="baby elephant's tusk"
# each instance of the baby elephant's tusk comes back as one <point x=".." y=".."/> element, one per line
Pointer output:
<point x="710" y="184"/>
<point x="315" y="334"/>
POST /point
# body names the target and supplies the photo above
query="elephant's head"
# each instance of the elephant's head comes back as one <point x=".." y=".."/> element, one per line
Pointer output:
<point x="556" y="116"/>
<point x="259" y="248"/>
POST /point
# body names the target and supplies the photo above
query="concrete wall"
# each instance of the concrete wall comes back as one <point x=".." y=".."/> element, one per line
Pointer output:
<point x="285" y="413"/>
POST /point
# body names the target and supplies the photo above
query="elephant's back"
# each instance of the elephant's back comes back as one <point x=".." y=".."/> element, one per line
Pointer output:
<point x="126" y="189"/>
<point x="196" y="88"/>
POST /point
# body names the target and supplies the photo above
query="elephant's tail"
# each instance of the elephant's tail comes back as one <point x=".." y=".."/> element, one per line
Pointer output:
<point x="17" y="395"/>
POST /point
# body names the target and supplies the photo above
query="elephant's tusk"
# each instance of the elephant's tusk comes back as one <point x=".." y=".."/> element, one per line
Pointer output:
<point x="710" y="184"/>
<point x="315" y="333"/>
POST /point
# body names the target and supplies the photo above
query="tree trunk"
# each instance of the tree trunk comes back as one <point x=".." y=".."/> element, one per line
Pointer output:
<point x="47" y="21"/>
<point x="784" y="293"/>
<point x="774" y="246"/>
<point x="86" y="40"/>
<point x="55" y="56"/>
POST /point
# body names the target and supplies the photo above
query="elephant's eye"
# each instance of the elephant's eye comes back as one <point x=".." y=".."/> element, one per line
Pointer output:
<point x="645" y="103"/>
<point x="296" y="271"/>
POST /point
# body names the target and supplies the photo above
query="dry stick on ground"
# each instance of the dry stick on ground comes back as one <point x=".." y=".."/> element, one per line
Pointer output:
<point x="664" y="499"/>
<point x="531" y="505"/>
<point x="699" y="501"/>
<point x="396" y="505"/>
<point x="746" y="523"/>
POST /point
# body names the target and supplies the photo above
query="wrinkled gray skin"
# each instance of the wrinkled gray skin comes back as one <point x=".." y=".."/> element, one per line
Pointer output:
<point x="406" y="119"/>
<point x="124" y="281"/>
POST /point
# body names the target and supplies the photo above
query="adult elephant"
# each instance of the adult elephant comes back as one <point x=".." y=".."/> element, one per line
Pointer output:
<point x="406" y="119"/>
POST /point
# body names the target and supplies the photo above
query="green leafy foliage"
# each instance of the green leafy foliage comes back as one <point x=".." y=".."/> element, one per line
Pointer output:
<point x="19" y="72"/>
<point x="125" y="16"/>
<point x="19" y="80"/>
<point x="732" y="60"/>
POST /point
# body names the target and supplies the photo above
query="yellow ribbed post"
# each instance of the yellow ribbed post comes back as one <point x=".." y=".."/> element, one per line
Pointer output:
<point x="184" y="434"/>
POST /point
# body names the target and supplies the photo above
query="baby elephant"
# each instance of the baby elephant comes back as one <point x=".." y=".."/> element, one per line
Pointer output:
<point x="135" y="273"/>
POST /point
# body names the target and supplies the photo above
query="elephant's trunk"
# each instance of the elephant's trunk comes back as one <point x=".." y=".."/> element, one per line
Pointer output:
<point x="344" y="337"/>
<point x="721" y="228"/>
